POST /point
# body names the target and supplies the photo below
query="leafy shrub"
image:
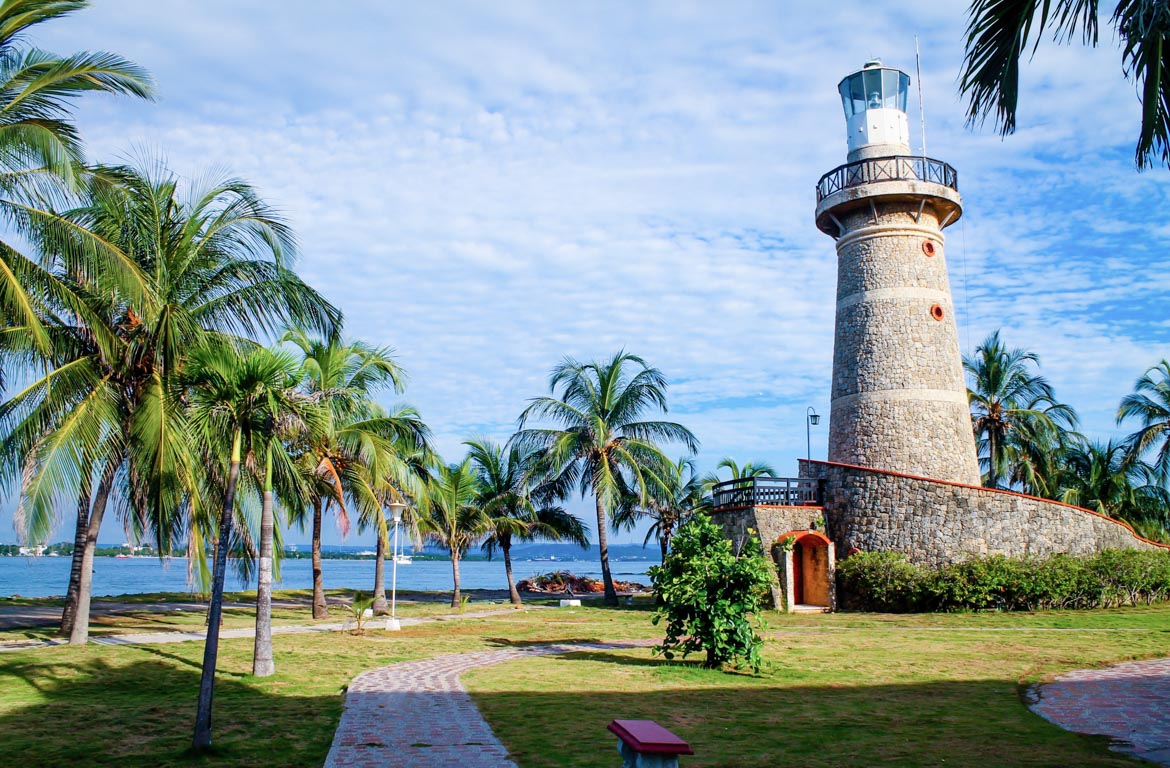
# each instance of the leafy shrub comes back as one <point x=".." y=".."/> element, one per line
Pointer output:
<point x="888" y="581"/>
<point x="711" y="598"/>
<point x="880" y="581"/>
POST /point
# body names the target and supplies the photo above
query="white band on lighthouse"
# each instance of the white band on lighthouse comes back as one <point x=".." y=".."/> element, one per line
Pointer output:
<point x="871" y="232"/>
<point x="933" y="295"/>
<point x="899" y="395"/>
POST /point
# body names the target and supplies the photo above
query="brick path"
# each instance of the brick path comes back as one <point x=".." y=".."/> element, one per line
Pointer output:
<point x="417" y="714"/>
<point x="1129" y="702"/>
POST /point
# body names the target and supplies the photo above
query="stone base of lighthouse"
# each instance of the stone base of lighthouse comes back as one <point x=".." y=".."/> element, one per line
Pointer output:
<point x="936" y="522"/>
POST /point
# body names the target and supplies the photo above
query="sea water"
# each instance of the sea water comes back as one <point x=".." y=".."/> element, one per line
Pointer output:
<point x="48" y="576"/>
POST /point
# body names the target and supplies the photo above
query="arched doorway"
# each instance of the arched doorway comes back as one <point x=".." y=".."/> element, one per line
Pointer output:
<point x="808" y="570"/>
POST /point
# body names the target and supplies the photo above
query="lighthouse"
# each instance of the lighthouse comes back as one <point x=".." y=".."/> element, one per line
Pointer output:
<point x="899" y="401"/>
<point x="902" y="473"/>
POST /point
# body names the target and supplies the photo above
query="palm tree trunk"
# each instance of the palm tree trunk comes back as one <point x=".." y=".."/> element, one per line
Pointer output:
<point x="456" y="600"/>
<point x="320" y="609"/>
<point x="263" y="663"/>
<point x="506" y="548"/>
<point x="611" y="597"/>
<point x="993" y="460"/>
<point x="79" y="536"/>
<point x="380" y="607"/>
<point x="202" y="738"/>
<point x="79" y="632"/>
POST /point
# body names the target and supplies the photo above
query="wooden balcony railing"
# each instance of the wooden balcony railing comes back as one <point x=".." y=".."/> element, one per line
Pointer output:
<point x="774" y="491"/>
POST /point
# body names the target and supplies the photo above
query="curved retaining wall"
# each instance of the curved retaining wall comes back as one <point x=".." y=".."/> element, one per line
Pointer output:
<point x="936" y="522"/>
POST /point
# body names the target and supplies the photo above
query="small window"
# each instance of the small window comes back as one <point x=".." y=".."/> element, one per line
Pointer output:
<point x="890" y="91"/>
<point x="873" y="88"/>
<point x="846" y="102"/>
<point x="857" y="93"/>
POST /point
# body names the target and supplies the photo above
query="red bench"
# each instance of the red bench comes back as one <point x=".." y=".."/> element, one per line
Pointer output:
<point x="646" y="744"/>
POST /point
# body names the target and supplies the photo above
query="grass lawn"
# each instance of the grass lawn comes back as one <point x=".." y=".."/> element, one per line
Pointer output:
<point x="844" y="689"/>
<point x="290" y="607"/>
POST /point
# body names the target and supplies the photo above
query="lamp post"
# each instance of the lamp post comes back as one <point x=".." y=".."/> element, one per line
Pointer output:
<point x="811" y="420"/>
<point x="392" y="623"/>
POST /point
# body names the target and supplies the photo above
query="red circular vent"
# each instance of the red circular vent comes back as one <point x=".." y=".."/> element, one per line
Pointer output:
<point x="937" y="312"/>
<point x="928" y="247"/>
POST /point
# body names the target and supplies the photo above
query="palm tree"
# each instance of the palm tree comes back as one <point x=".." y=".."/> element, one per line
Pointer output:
<point x="670" y="506"/>
<point x="1108" y="478"/>
<point x="241" y="397"/>
<point x="1149" y="404"/>
<point x="364" y="445"/>
<point x="295" y="417"/>
<point x="748" y="470"/>
<point x="506" y="496"/>
<point x="998" y="34"/>
<point x="603" y="446"/>
<point x="1014" y="413"/>
<point x="403" y="475"/>
<point x="453" y="518"/>
<point x="216" y="262"/>
<point x="41" y="163"/>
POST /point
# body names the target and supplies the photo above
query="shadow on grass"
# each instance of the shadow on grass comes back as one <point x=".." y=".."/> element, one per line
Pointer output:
<point x="509" y="642"/>
<point x="964" y="724"/>
<point x="88" y="711"/>
<point x="142" y="714"/>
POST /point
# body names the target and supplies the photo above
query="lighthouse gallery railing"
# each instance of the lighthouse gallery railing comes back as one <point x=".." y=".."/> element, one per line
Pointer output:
<point x="897" y="168"/>
<point x="775" y="491"/>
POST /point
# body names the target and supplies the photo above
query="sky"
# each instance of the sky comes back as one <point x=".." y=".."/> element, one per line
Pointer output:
<point x="488" y="187"/>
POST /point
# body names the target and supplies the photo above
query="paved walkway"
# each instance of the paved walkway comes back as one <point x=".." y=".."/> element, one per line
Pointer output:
<point x="417" y="714"/>
<point x="1129" y="702"/>
<point x="155" y="638"/>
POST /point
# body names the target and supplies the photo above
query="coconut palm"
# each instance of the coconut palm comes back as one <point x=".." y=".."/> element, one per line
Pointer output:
<point x="297" y="418"/>
<point x="453" y="518"/>
<point x="1014" y="413"/>
<point x="515" y="508"/>
<point x="1149" y="405"/>
<point x="671" y="505"/>
<point x="403" y="474"/>
<point x="1107" y="478"/>
<point x="41" y="164"/>
<point x="217" y="262"/>
<point x="748" y="470"/>
<point x="238" y="398"/>
<point x="364" y="446"/>
<point x="999" y="33"/>
<point x="603" y="446"/>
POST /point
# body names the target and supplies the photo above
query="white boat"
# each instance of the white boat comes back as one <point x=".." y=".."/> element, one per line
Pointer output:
<point x="403" y="559"/>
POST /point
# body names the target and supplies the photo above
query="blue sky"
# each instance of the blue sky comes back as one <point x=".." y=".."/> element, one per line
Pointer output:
<point x="490" y="186"/>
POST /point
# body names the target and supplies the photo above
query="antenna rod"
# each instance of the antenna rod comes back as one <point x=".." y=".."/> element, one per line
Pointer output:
<point x="921" y="108"/>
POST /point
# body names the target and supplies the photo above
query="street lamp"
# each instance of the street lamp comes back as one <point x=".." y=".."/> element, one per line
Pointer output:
<point x="811" y="420"/>
<point x="392" y="623"/>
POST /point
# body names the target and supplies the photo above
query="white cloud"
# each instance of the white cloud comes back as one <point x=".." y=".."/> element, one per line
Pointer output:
<point x="488" y="188"/>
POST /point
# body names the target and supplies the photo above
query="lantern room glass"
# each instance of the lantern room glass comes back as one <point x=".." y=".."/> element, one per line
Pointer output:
<point x="874" y="88"/>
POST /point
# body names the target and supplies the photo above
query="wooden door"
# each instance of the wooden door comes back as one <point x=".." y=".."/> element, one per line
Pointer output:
<point x="797" y="574"/>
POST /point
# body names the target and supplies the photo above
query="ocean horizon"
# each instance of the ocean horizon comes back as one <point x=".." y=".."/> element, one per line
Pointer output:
<point x="49" y="576"/>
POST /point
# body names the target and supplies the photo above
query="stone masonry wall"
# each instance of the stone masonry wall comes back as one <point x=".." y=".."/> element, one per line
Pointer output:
<point x="769" y="523"/>
<point x="898" y="395"/>
<point x="934" y="522"/>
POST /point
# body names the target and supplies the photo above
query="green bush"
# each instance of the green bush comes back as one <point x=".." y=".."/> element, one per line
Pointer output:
<point x="889" y="582"/>
<point x="880" y="581"/>
<point x="711" y="598"/>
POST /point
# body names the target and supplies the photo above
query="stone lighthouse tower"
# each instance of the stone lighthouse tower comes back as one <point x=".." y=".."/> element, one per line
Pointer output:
<point x="899" y="401"/>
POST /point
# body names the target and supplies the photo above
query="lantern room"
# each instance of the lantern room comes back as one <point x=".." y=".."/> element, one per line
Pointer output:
<point x="875" y="111"/>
